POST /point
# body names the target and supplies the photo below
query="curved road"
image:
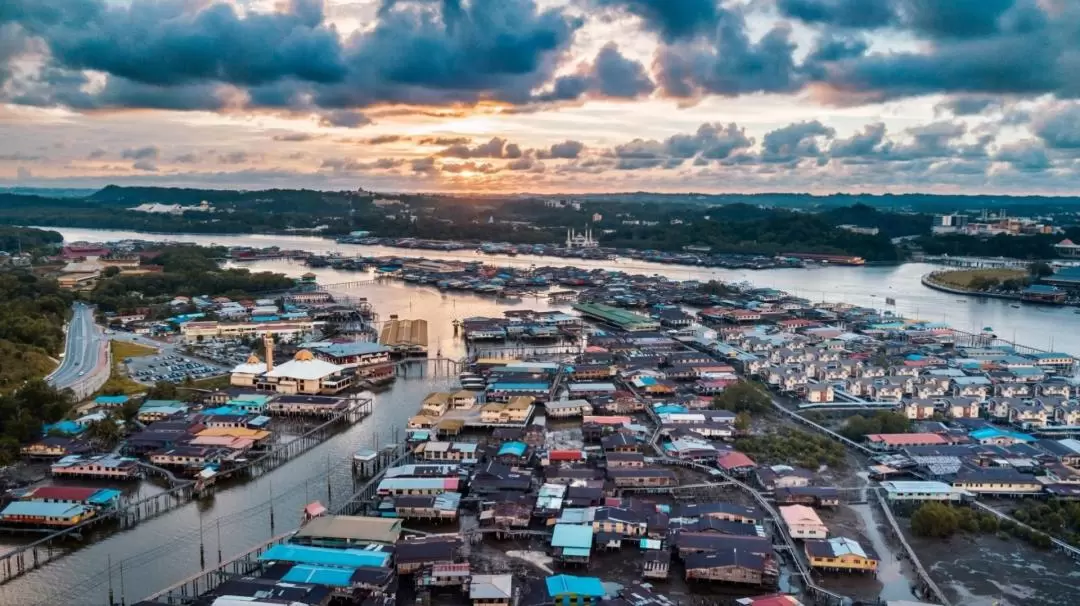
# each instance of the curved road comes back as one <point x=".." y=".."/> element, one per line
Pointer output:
<point x="84" y="353"/>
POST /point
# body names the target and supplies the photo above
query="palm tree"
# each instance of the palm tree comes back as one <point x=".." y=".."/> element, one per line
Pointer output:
<point x="105" y="434"/>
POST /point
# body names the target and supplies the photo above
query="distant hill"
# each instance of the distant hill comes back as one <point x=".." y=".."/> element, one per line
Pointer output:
<point x="48" y="192"/>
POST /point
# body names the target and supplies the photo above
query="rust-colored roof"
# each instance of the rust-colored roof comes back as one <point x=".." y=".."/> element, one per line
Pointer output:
<point x="397" y="333"/>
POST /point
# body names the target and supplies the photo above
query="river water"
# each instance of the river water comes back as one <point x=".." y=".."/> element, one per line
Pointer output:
<point x="1036" y="326"/>
<point x="166" y="549"/>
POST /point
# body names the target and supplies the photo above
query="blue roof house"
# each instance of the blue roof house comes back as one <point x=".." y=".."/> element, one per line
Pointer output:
<point x="565" y="589"/>
<point x="572" y="542"/>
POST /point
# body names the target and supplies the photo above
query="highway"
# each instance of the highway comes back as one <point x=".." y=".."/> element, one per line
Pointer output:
<point x="85" y="356"/>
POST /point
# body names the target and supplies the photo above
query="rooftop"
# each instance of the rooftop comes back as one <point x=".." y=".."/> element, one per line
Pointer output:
<point x="357" y="528"/>
<point x="324" y="556"/>
<point x="565" y="584"/>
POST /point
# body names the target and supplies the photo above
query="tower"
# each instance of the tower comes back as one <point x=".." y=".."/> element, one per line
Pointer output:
<point x="268" y="343"/>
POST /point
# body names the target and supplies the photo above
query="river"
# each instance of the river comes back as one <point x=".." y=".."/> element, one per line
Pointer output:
<point x="1036" y="326"/>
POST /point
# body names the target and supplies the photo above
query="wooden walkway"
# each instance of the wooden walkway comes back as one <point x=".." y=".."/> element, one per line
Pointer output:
<point x="54" y="546"/>
<point x="928" y="585"/>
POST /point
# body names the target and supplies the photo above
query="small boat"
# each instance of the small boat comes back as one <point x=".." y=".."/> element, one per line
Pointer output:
<point x="1015" y="305"/>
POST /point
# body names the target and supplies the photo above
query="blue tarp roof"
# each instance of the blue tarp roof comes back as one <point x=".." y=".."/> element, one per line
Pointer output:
<point x="324" y="556"/>
<point x="319" y="575"/>
<point x="513" y="448"/>
<point x="70" y="428"/>
<point x="104" y="496"/>
<point x="993" y="432"/>
<point x="565" y="584"/>
<point x="225" y="411"/>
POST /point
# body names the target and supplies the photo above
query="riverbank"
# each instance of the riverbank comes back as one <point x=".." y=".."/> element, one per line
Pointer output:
<point x="929" y="282"/>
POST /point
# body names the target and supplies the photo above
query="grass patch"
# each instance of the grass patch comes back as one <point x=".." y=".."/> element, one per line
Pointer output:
<point x="119" y="382"/>
<point x="973" y="278"/>
<point x="212" y="382"/>
<point x="124" y="349"/>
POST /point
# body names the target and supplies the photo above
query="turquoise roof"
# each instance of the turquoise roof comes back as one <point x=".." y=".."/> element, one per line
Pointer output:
<point x="69" y="428"/>
<point x="572" y="535"/>
<point x="40" y="508"/>
<point x="513" y="448"/>
<point x="986" y="433"/>
<point x="225" y="411"/>
<point x="104" y="496"/>
<point x="565" y="585"/>
<point x="325" y="556"/>
<point x="110" y="400"/>
<point x="319" y="575"/>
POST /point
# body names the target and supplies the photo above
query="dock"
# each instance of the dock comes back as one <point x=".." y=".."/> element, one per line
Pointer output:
<point x="57" y="544"/>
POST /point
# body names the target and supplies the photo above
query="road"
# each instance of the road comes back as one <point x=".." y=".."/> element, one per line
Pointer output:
<point x="85" y="357"/>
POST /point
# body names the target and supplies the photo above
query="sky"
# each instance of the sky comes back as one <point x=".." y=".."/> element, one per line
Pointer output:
<point x="545" y="96"/>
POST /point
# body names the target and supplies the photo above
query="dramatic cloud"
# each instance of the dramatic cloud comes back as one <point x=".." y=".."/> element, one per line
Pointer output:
<point x="1058" y="126"/>
<point x="295" y="137"/>
<point x="969" y="105"/>
<point x="418" y="52"/>
<point x="1024" y="156"/>
<point x="344" y="118"/>
<point x="495" y="148"/>
<point x="672" y="19"/>
<point x="349" y="165"/>
<point x="565" y="150"/>
<point x="795" y="141"/>
<point x="729" y="63"/>
<point x="445" y="141"/>
<point x="149" y="152"/>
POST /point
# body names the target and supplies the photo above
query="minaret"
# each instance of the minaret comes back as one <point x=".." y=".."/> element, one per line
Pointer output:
<point x="268" y="342"/>
<point x="569" y="240"/>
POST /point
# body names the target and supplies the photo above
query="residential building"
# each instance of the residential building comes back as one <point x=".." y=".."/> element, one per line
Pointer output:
<point x="840" y="554"/>
<point x="491" y="590"/>
<point x="803" y="522"/>
<point x="567" y="590"/>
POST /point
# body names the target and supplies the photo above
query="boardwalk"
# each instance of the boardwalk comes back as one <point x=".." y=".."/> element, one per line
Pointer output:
<point x="54" y="546"/>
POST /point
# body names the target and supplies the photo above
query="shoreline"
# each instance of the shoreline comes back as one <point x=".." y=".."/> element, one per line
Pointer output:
<point x="928" y="282"/>
<point x="739" y="260"/>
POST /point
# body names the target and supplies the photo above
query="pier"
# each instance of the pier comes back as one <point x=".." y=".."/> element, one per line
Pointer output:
<point x="185" y="591"/>
<point x="56" y="545"/>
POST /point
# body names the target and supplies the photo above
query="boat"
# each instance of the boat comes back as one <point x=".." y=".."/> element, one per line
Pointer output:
<point x="1015" y="305"/>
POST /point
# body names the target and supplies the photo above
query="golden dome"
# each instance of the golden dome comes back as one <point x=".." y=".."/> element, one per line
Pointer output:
<point x="253" y="359"/>
<point x="304" y="356"/>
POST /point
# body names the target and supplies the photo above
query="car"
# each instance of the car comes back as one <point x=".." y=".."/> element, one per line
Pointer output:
<point x="81" y="373"/>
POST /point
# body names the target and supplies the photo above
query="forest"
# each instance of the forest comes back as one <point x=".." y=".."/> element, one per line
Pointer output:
<point x="32" y="314"/>
<point x="187" y="271"/>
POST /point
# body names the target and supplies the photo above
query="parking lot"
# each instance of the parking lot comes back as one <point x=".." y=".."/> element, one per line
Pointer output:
<point x="170" y="366"/>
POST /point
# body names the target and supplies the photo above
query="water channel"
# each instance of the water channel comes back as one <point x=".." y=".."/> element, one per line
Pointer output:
<point x="164" y="550"/>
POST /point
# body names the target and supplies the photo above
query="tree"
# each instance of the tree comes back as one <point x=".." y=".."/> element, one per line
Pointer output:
<point x="883" y="421"/>
<point x="162" y="390"/>
<point x="934" y="520"/>
<point x="111" y="271"/>
<point x="743" y="397"/>
<point x="1040" y="269"/>
<point x="742" y="421"/>
<point x="105" y="434"/>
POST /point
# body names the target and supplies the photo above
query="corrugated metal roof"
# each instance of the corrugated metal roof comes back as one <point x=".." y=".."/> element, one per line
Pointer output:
<point x="565" y="584"/>
<point x="319" y="575"/>
<point x="38" y="508"/>
<point x="572" y="535"/>
<point x="324" y="556"/>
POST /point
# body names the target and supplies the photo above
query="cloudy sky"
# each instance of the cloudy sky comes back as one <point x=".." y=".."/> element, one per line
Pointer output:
<point x="950" y="96"/>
